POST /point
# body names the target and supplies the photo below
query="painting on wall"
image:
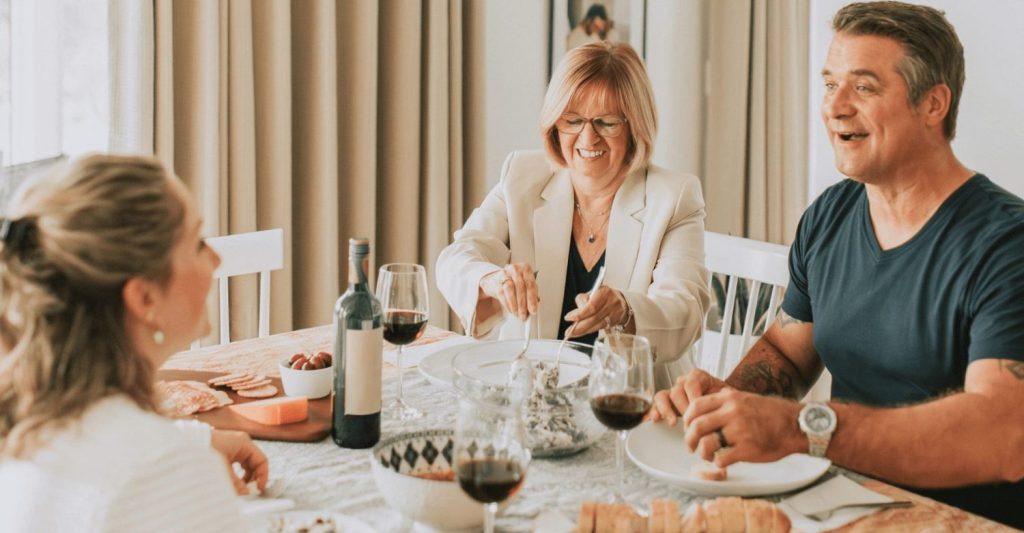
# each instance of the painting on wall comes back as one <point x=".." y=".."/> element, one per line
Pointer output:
<point x="576" y="22"/>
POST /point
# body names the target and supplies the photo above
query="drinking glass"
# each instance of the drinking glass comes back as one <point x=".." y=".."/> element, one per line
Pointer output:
<point x="490" y="451"/>
<point x="621" y="389"/>
<point x="402" y="291"/>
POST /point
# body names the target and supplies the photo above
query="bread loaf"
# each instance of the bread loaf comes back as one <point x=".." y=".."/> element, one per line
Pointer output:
<point x="721" y="515"/>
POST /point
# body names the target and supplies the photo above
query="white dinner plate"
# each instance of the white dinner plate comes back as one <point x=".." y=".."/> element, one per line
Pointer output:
<point x="659" y="450"/>
<point x="437" y="367"/>
<point x="266" y="523"/>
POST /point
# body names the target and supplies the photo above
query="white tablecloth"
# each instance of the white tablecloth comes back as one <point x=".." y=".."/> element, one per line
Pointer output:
<point x="323" y="476"/>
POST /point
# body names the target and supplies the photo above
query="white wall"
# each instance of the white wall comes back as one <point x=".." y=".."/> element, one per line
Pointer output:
<point x="516" y="58"/>
<point x="675" y="63"/>
<point x="516" y="47"/>
<point x="990" y="126"/>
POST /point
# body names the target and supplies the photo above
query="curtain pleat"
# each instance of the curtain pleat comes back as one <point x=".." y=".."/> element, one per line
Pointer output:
<point x="239" y="139"/>
<point x="398" y="139"/>
<point x="725" y="138"/>
<point x="271" y="22"/>
<point x="315" y="184"/>
<point x="163" y="86"/>
<point x="358" y="25"/>
<point x="756" y="138"/>
<point x="437" y="137"/>
<point x="328" y="119"/>
<point x="131" y="89"/>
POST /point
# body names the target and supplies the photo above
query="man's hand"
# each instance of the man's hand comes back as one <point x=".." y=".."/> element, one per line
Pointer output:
<point x="730" y="426"/>
<point x="237" y="447"/>
<point x="671" y="404"/>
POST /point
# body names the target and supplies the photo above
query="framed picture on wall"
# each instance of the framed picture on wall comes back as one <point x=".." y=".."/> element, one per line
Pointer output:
<point x="576" y="22"/>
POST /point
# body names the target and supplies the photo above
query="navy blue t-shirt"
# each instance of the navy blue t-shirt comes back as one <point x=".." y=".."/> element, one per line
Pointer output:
<point x="901" y="326"/>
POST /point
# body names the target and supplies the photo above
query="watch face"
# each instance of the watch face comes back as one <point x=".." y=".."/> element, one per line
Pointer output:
<point x="818" y="420"/>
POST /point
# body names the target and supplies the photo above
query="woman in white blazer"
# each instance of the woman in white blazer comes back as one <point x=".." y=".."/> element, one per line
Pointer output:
<point x="592" y="199"/>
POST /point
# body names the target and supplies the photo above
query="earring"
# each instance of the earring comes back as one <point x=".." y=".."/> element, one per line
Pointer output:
<point x="158" y="336"/>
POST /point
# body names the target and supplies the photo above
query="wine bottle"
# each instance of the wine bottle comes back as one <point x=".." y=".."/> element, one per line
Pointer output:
<point x="359" y="356"/>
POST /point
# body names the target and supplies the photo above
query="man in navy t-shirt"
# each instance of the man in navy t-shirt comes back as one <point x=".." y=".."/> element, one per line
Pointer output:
<point x="906" y="282"/>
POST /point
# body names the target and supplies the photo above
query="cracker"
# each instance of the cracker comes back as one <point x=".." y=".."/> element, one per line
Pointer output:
<point x="265" y="391"/>
<point x="251" y="384"/>
<point x="247" y="379"/>
<point x="226" y="378"/>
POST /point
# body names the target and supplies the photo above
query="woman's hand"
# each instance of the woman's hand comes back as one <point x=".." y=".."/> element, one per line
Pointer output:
<point x="670" y="404"/>
<point x="607" y="308"/>
<point x="237" y="447"/>
<point x="515" y="287"/>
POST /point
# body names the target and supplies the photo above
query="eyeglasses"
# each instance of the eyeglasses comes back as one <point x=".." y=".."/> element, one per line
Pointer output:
<point x="606" y="126"/>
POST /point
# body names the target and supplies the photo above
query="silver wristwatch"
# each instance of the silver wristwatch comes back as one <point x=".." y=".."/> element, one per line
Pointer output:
<point x="817" y="421"/>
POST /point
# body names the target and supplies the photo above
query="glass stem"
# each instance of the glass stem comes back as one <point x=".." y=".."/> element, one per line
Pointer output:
<point x="619" y="445"/>
<point x="490" y="510"/>
<point x="398" y="359"/>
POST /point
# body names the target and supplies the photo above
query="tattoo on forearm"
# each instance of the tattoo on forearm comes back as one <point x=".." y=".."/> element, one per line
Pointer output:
<point x="1015" y="367"/>
<point x="764" y="378"/>
<point x="785" y="320"/>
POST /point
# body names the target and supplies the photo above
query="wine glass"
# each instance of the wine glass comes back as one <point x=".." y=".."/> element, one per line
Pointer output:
<point x="621" y="389"/>
<point x="402" y="291"/>
<point x="490" y="451"/>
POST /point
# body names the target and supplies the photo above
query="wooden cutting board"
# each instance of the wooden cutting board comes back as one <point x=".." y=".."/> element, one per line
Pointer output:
<point x="314" y="428"/>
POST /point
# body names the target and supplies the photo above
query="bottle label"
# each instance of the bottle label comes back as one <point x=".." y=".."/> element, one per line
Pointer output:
<point x="364" y="360"/>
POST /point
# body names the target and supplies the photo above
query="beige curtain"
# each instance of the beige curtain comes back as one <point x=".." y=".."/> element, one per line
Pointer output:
<point x="756" y="139"/>
<point x="329" y="119"/>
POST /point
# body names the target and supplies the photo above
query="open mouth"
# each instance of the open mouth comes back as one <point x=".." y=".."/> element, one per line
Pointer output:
<point x="590" y="154"/>
<point x="851" y="136"/>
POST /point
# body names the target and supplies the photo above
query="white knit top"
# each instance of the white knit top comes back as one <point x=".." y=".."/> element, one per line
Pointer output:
<point x="120" y="468"/>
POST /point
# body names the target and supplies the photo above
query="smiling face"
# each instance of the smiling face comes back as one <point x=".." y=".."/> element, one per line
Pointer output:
<point x="874" y="129"/>
<point x="587" y="154"/>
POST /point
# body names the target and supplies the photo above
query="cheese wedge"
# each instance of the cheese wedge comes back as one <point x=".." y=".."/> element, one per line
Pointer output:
<point x="275" y="411"/>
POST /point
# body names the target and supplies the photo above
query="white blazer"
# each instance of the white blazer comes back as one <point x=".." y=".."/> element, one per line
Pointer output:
<point x="655" y="251"/>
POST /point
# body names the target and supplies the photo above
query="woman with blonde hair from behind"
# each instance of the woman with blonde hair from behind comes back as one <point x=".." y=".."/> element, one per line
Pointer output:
<point x="104" y="275"/>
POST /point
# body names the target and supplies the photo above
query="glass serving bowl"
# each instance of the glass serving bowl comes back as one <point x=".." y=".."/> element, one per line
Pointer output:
<point x="557" y="416"/>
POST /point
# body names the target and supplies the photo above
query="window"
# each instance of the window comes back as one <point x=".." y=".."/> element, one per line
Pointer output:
<point x="54" y="84"/>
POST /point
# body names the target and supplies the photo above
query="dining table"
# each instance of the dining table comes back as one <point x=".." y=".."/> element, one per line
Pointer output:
<point x="322" y="476"/>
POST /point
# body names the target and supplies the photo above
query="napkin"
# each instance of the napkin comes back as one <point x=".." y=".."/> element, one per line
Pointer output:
<point x="412" y="355"/>
<point x="839" y="494"/>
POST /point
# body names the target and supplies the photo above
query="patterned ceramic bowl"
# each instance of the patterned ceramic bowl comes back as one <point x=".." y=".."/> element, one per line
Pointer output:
<point x="414" y="473"/>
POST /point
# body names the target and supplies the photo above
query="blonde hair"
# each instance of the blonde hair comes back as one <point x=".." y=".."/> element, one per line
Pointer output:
<point x="83" y="233"/>
<point x="616" y="68"/>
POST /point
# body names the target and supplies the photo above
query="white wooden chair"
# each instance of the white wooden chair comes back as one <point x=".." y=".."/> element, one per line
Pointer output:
<point x="764" y="265"/>
<point x="246" y="253"/>
<point x="759" y="262"/>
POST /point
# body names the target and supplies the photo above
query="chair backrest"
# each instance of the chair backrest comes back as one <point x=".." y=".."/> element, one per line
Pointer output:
<point x="762" y="264"/>
<point x="246" y="253"/>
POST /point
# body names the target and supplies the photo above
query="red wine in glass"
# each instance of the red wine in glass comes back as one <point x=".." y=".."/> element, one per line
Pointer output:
<point x="403" y="327"/>
<point x="620" y="411"/>
<point x="402" y="291"/>
<point x="490" y="480"/>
